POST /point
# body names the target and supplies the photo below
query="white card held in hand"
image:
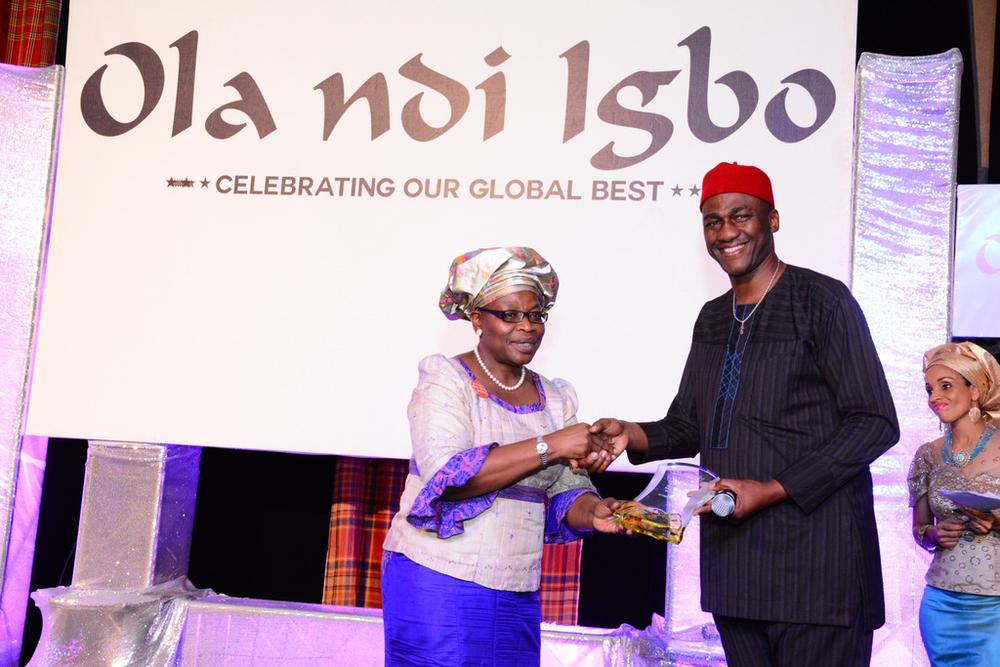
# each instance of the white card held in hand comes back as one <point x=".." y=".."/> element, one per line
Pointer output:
<point x="973" y="500"/>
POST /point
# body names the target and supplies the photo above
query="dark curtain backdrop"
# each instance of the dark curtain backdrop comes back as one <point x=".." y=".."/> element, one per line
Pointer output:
<point x="994" y="138"/>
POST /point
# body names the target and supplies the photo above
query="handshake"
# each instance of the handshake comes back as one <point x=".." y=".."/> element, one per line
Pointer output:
<point x="590" y="447"/>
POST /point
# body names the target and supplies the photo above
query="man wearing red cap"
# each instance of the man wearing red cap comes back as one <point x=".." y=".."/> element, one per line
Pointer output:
<point x="783" y="396"/>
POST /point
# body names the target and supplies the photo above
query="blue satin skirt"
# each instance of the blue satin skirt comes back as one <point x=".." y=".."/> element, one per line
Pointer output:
<point x="433" y="619"/>
<point x="960" y="629"/>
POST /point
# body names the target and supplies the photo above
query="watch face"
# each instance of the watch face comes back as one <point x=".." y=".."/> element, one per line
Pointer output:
<point x="541" y="447"/>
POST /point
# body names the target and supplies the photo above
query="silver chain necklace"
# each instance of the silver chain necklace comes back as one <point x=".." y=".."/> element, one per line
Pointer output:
<point x="505" y="387"/>
<point x="766" y="290"/>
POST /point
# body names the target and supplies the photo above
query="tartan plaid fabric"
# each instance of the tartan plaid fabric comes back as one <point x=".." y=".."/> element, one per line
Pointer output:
<point x="30" y="31"/>
<point x="560" y="587"/>
<point x="365" y="498"/>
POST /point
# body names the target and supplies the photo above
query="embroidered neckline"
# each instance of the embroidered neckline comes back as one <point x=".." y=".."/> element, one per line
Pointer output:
<point x="517" y="409"/>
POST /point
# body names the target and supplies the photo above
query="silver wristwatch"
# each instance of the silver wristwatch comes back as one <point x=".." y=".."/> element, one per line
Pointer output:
<point x="542" y="448"/>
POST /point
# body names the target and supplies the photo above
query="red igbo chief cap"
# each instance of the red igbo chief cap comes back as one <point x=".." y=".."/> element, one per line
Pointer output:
<point x="732" y="177"/>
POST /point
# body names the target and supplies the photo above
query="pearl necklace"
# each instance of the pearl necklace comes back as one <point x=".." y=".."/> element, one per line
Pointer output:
<point x="505" y="387"/>
<point x="766" y="290"/>
<point x="959" y="459"/>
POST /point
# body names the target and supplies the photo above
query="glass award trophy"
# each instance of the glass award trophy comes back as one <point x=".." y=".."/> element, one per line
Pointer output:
<point x="665" y="507"/>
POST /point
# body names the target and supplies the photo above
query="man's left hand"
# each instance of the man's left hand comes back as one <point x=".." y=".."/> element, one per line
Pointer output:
<point x="751" y="496"/>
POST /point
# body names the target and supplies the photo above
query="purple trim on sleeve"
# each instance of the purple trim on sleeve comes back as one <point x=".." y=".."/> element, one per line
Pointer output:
<point x="557" y="531"/>
<point x="516" y="409"/>
<point x="446" y="517"/>
<point x="524" y="493"/>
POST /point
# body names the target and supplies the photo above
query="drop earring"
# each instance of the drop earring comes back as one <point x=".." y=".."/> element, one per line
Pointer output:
<point x="975" y="414"/>
<point x="479" y="333"/>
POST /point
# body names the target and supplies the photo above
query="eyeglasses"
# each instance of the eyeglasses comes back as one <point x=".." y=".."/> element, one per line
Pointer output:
<point x="514" y="316"/>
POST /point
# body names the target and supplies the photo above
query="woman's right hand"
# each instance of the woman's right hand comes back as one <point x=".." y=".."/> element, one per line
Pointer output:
<point x="947" y="533"/>
<point x="572" y="443"/>
<point x="980" y="522"/>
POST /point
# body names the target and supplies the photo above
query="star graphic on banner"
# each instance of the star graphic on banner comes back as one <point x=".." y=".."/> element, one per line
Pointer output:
<point x="676" y="190"/>
<point x="204" y="182"/>
<point x="187" y="183"/>
<point x="695" y="191"/>
<point x="171" y="183"/>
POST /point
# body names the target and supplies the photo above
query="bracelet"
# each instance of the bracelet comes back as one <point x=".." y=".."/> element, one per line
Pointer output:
<point x="920" y="533"/>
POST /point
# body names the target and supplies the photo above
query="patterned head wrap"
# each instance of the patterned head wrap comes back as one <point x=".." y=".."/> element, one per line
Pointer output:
<point x="487" y="274"/>
<point x="974" y="364"/>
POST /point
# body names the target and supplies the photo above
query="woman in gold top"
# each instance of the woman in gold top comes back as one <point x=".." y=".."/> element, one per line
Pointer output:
<point x="960" y="610"/>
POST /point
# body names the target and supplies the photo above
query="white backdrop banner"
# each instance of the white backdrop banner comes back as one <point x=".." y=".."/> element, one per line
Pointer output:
<point x="977" y="262"/>
<point x="256" y="209"/>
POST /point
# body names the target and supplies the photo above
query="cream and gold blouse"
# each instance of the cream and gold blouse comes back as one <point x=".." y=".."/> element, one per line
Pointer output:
<point x="495" y="539"/>
<point x="972" y="565"/>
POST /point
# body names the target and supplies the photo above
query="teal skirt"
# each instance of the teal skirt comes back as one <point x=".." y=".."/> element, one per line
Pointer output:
<point x="960" y="629"/>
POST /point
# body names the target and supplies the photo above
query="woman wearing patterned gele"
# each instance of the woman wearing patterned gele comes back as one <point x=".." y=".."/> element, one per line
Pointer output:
<point x="960" y="611"/>
<point x="495" y="449"/>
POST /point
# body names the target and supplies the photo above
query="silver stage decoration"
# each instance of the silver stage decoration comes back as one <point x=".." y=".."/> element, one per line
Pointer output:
<point x="906" y="136"/>
<point x="686" y="635"/>
<point x="236" y="632"/>
<point x="137" y="515"/>
<point x="130" y="602"/>
<point x="129" y="598"/>
<point x="30" y="100"/>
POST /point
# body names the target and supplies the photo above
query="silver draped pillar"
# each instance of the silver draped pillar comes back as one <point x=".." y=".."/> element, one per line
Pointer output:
<point x="30" y="99"/>
<point x="906" y="136"/>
